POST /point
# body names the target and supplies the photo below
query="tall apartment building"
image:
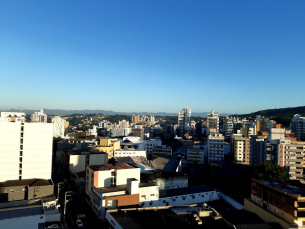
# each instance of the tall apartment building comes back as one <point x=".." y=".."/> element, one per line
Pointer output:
<point x="228" y="127"/>
<point x="184" y="120"/>
<point x="213" y="121"/>
<point x="39" y="116"/>
<point x="123" y="124"/>
<point x="215" y="147"/>
<point x="58" y="126"/>
<point x="297" y="126"/>
<point x="135" y="118"/>
<point x="240" y="147"/>
<point x="25" y="148"/>
<point x="148" y="118"/>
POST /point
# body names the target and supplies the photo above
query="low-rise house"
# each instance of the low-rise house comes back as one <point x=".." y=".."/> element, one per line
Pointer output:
<point x="25" y="189"/>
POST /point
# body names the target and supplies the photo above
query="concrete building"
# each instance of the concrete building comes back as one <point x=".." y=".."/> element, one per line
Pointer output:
<point x="150" y="144"/>
<point x="240" y="147"/>
<point x="215" y="147"/>
<point x="184" y="120"/>
<point x="212" y="121"/>
<point x="135" y="118"/>
<point x="129" y="192"/>
<point x="75" y="161"/>
<point x="58" y="127"/>
<point x="228" y="127"/>
<point x="39" y="117"/>
<point x="22" y="214"/>
<point x="25" y="148"/>
<point x="119" y="132"/>
<point x="123" y="124"/>
<point x="108" y="146"/>
<point x="148" y="118"/>
<point x="92" y="132"/>
<point x="195" y="154"/>
<point x="130" y="153"/>
<point x="25" y="189"/>
<point x="279" y="203"/>
<point x="297" y="126"/>
<point x="162" y="150"/>
<point x="166" y="180"/>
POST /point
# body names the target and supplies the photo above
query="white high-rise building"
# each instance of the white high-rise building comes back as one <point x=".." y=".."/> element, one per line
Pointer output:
<point x="58" y="127"/>
<point x="184" y="120"/>
<point x="39" y="117"/>
<point x="25" y="148"/>
<point x="213" y="121"/>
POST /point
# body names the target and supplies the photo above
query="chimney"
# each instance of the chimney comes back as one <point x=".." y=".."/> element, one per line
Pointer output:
<point x="132" y="186"/>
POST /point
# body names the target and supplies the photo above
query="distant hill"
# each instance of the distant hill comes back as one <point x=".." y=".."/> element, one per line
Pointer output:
<point x="280" y="111"/>
<point x="69" y="112"/>
<point x="280" y="115"/>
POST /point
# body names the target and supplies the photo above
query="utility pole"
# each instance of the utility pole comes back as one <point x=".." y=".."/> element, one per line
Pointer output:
<point x="58" y="189"/>
<point x="68" y="193"/>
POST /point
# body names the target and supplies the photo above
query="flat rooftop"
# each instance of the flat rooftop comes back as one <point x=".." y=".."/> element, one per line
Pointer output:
<point x="164" y="218"/>
<point x="285" y="188"/>
<point x="27" y="182"/>
<point x="20" y="209"/>
<point x="185" y="191"/>
<point x="111" y="166"/>
<point x="122" y="187"/>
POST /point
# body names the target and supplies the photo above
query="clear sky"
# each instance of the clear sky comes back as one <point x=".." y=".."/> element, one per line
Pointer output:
<point x="133" y="55"/>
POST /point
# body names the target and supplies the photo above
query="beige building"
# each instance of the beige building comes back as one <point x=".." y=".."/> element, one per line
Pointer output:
<point x="240" y="147"/>
<point x="108" y="146"/>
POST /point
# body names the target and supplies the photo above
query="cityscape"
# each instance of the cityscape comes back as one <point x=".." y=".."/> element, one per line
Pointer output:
<point x="152" y="114"/>
<point x="101" y="171"/>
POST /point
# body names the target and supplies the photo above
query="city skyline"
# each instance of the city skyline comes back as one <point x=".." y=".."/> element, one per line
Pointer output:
<point x="135" y="56"/>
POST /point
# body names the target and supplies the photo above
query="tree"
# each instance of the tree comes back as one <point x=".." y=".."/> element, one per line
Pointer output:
<point x="269" y="171"/>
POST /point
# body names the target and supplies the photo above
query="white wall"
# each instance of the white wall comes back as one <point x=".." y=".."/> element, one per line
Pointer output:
<point x="183" y="199"/>
<point x="130" y="153"/>
<point x="124" y="174"/>
<point x="77" y="163"/>
<point x="9" y="150"/>
<point x="37" y="144"/>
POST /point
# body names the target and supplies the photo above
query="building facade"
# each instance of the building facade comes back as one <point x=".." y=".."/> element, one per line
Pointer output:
<point x="25" y="148"/>
<point x="215" y="147"/>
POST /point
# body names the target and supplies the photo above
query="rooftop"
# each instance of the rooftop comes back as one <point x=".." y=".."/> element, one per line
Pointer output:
<point x="285" y="188"/>
<point x="18" y="209"/>
<point x="166" y="163"/>
<point x="164" y="218"/>
<point x="28" y="182"/>
<point x="111" y="166"/>
<point x="185" y="191"/>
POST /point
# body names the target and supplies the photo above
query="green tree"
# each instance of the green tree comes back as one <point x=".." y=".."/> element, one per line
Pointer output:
<point x="269" y="171"/>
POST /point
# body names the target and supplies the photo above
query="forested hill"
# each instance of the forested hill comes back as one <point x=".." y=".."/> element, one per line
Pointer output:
<point x="280" y="115"/>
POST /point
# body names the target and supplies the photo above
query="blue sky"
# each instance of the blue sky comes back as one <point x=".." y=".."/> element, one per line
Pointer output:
<point x="230" y="56"/>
